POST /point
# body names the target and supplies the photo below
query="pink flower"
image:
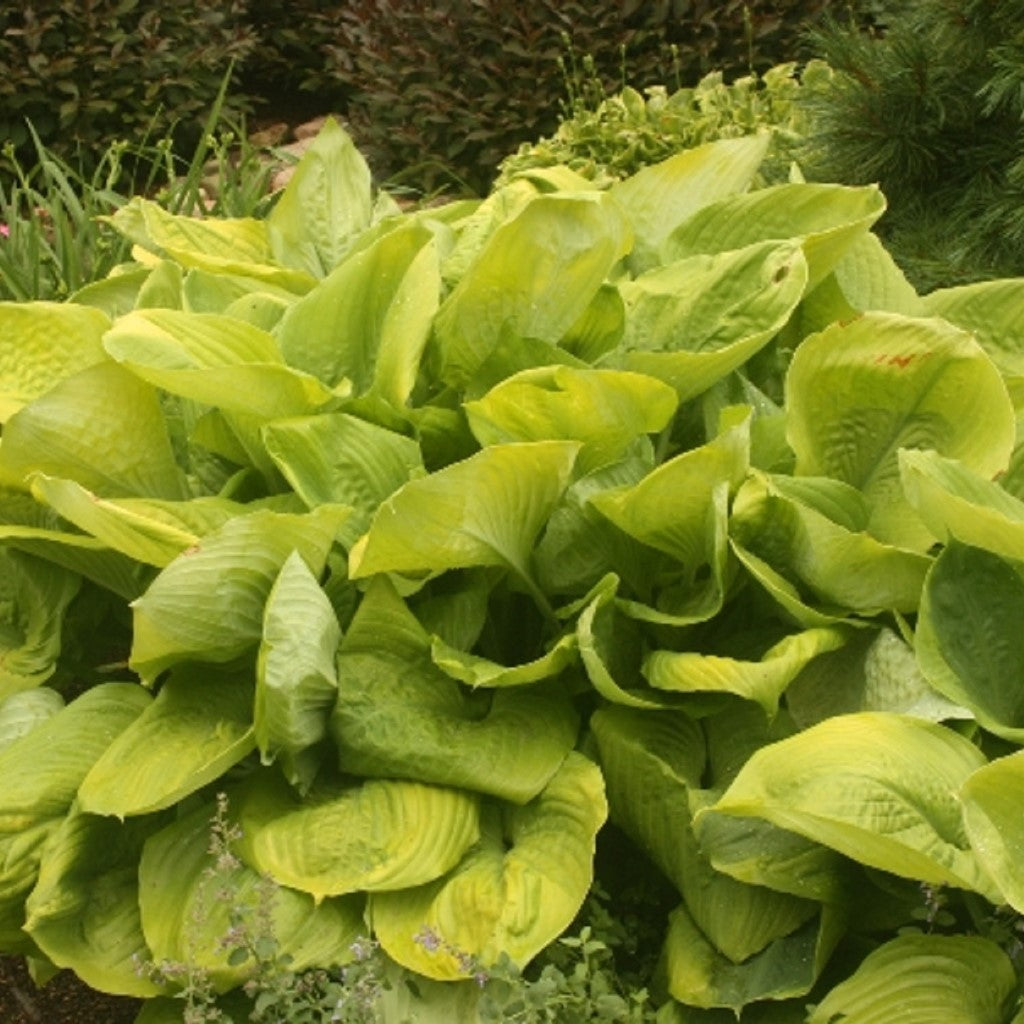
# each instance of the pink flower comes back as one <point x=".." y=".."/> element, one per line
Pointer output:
<point x="5" y="231"/>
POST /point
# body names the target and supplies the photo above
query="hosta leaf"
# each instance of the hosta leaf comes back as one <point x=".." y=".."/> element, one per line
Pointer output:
<point x="80" y="554"/>
<point x="992" y="312"/>
<point x="378" y="836"/>
<point x="42" y="771"/>
<point x="84" y="910"/>
<point x="692" y="321"/>
<point x="762" y="681"/>
<point x="925" y="979"/>
<point x="216" y="360"/>
<point x="41" y="343"/>
<point x="610" y="645"/>
<point x="102" y="427"/>
<point x="475" y="671"/>
<point x="514" y="892"/>
<point x="34" y="596"/>
<point x="296" y="681"/>
<point x="338" y="458"/>
<point x="24" y="711"/>
<point x="187" y="910"/>
<point x="700" y="976"/>
<point x="650" y="761"/>
<point x="369" y="320"/>
<point x="399" y="716"/>
<point x="874" y="671"/>
<point x="869" y="278"/>
<point x="579" y="546"/>
<point x="327" y="201"/>
<point x="660" y="197"/>
<point x="486" y="510"/>
<point x="691" y="532"/>
<point x="199" y="725"/>
<point x="811" y="530"/>
<point x="147" y="530"/>
<point x="956" y="502"/>
<point x="534" y="277"/>
<point x="969" y="643"/>
<point x="826" y="219"/>
<point x="604" y="409"/>
<point x="754" y="851"/>
<point x="222" y="245"/>
<point x="991" y="802"/>
<point x="876" y="786"/>
<point x="860" y="391"/>
<point x="208" y="603"/>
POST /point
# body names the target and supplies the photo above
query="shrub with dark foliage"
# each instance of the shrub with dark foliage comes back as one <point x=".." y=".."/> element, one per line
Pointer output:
<point x="445" y="91"/>
<point x="87" y="71"/>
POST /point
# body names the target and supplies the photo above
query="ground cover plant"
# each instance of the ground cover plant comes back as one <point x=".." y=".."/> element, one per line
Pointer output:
<point x="453" y="545"/>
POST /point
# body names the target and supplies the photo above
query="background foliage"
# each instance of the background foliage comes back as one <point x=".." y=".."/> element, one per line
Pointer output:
<point x="87" y="72"/>
<point x="932" y="109"/>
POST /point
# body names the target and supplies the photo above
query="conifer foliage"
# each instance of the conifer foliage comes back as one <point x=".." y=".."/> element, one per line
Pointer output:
<point x="930" y="104"/>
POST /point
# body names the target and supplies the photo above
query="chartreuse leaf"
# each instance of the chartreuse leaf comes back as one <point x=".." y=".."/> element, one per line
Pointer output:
<point x="535" y="276"/>
<point x="876" y="786"/>
<point x="41" y="343"/>
<point x="207" y="604"/>
<point x="80" y="554"/>
<point x="651" y="760"/>
<point x="42" y="771"/>
<point x="335" y="457"/>
<point x="969" y="642"/>
<point x="955" y="502"/>
<point x="34" y="595"/>
<point x="84" y="910"/>
<point x="992" y="311"/>
<point x="826" y="220"/>
<point x="115" y="294"/>
<point x="875" y="671"/>
<point x="214" y="359"/>
<point x="691" y="531"/>
<point x="23" y="711"/>
<point x="763" y="681"/>
<point x="296" y="680"/>
<point x="474" y="670"/>
<point x="102" y="427"/>
<point x="869" y="278"/>
<point x="812" y="531"/>
<point x="514" y="892"/>
<point x="698" y="975"/>
<point x="694" y="320"/>
<point x="579" y="546"/>
<point x="925" y="979"/>
<point x="186" y="910"/>
<point x="400" y="716"/>
<point x="327" y="201"/>
<point x="146" y="529"/>
<point x="369" y="320"/>
<point x="607" y="410"/>
<point x="860" y="391"/>
<point x="199" y="725"/>
<point x="991" y="806"/>
<point x="377" y="836"/>
<point x="659" y="198"/>
<point x="222" y="245"/>
<point x="786" y="1011"/>
<point x="485" y="510"/>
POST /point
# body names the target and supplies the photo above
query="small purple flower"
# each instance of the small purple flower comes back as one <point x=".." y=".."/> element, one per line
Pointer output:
<point x="428" y="939"/>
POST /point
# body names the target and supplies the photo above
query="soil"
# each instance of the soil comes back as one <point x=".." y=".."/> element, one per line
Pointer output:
<point x="63" y="1000"/>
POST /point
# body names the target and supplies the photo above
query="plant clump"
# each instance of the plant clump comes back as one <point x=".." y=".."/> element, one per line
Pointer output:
<point x="483" y="553"/>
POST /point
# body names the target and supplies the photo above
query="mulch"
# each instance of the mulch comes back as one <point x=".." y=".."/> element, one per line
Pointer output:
<point x="63" y="1000"/>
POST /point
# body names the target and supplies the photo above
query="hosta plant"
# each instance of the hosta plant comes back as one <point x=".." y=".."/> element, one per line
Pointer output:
<point x="435" y="539"/>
